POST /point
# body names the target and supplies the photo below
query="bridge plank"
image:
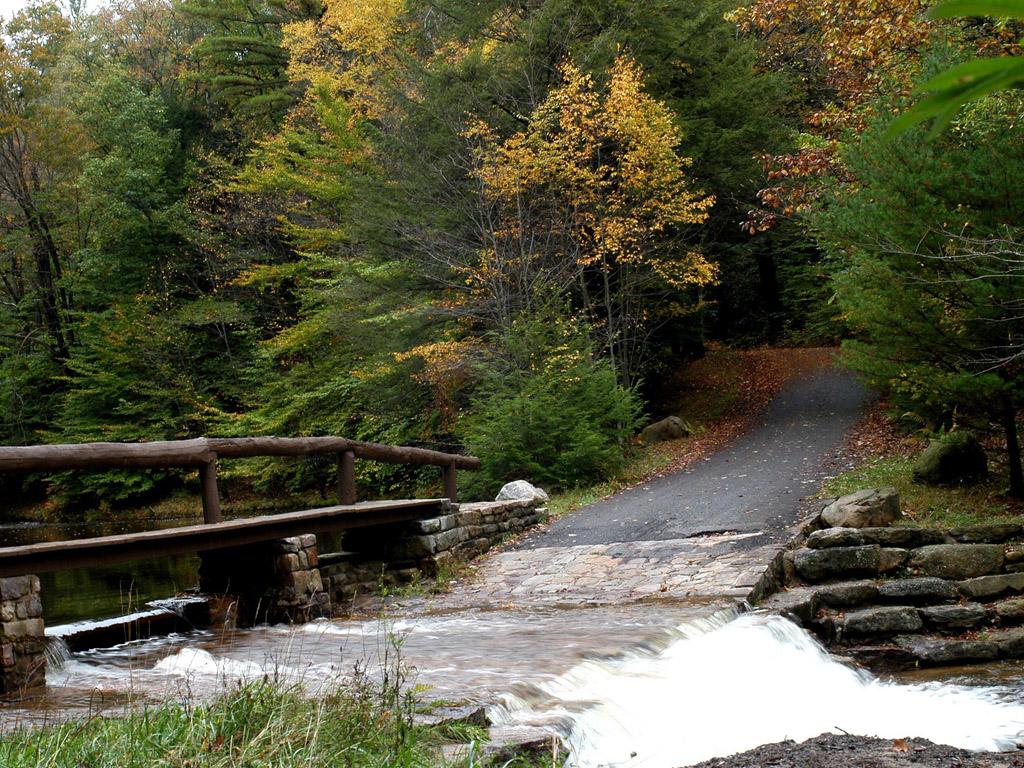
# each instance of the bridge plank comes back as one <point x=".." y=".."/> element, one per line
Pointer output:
<point x="80" y="553"/>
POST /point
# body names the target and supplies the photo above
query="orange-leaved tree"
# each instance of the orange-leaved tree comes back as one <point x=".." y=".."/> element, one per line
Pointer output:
<point x="844" y="54"/>
<point x="592" y="199"/>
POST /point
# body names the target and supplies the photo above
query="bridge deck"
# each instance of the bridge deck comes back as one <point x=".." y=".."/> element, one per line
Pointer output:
<point x="79" y="553"/>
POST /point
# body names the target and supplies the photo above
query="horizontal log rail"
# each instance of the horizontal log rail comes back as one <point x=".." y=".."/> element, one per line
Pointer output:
<point x="81" y="553"/>
<point x="202" y="453"/>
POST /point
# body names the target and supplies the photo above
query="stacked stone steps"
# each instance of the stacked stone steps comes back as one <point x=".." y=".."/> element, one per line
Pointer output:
<point x="910" y="596"/>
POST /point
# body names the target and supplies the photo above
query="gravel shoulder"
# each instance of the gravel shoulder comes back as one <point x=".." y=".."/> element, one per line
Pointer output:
<point x="832" y="751"/>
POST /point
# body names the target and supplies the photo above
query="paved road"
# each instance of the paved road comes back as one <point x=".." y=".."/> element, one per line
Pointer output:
<point x="755" y="484"/>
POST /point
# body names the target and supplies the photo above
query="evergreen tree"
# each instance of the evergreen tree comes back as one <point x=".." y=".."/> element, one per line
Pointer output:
<point x="930" y="234"/>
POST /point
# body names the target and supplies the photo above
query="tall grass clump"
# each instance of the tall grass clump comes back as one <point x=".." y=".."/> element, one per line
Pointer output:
<point x="257" y="725"/>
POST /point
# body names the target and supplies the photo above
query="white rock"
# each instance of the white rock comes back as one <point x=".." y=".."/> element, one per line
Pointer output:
<point x="520" y="490"/>
<point x="870" y="508"/>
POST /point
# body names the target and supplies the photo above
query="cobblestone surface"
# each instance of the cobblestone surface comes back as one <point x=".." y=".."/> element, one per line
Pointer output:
<point x="723" y="567"/>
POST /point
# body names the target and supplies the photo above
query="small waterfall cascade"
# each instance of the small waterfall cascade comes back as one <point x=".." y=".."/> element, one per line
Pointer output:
<point x="57" y="652"/>
<point x="727" y="684"/>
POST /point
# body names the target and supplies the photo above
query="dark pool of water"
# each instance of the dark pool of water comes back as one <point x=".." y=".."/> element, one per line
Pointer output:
<point x="105" y="591"/>
<point x="108" y="590"/>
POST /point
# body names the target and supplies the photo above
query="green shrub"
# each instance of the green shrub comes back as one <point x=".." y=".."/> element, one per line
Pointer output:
<point x="548" y="412"/>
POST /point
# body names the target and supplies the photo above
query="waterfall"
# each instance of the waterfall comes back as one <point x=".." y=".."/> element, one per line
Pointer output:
<point x="725" y="685"/>
<point x="57" y="652"/>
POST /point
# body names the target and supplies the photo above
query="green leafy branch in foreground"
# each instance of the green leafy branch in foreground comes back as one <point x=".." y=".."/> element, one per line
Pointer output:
<point x="967" y="82"/>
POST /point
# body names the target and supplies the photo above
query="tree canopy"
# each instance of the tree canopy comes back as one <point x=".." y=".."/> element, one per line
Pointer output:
<point x="461" y="224"/>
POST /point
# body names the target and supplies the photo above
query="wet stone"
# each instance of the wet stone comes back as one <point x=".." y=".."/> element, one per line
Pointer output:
<point x="988" y="534"/>
<point x="891" y="559"/>
<point x="931" y="651"/>
<point x="958" y="561"/>
<point x="821" y="564"/>
<point x="907" y="538"/>
<point x="917" y="591"/>
<point x="835" y="537"/>
<point x="454" y="715"/>
<point x="967" y="616"/>
<point x="798" y="602"/>
<point x="992" y="586"/>
<point x="1010" y="643"/>
<point x="16" y="587"/>
<point x="1010" y="611"/>
<point x="881" y="657"/>
<point x="876" y="621"/>
<point x="847" y="593"/>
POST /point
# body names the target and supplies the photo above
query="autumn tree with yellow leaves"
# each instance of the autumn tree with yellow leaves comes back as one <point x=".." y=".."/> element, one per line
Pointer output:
<point x="590" y="198"/>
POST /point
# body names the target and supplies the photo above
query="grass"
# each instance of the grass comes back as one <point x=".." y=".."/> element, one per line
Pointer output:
<point x="257" y="725"/>
<point x="636" y="468"/>
<point x="930" y="506"/>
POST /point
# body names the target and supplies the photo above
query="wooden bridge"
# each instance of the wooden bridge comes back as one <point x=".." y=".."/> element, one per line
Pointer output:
<point x="234" y="551"/>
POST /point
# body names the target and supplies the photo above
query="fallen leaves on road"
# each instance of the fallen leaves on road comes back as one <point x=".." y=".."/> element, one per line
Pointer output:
<point x="764" y="373"/>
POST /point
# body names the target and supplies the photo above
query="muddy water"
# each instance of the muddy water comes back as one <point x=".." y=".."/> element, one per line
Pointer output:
<point x="474" y="655"/>
<point x="646" y="685"/>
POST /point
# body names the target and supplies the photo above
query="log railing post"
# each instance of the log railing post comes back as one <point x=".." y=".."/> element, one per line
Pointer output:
<point x="211" y="498"/>
<point x="451" y="483"/>
<point x="347" y="477"/>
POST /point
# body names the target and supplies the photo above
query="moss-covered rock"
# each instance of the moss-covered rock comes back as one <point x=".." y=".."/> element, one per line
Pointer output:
<point x="953" y="460"/>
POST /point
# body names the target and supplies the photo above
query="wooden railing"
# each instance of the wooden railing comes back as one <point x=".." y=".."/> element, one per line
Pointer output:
<point x="202" y="454"/>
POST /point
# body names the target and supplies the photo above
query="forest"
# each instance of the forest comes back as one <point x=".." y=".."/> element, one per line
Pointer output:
<point x="494" y="227"/>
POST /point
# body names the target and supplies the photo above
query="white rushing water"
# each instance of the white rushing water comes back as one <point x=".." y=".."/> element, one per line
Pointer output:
<point x="642" y="686"/>
<point x="726" y="686"/>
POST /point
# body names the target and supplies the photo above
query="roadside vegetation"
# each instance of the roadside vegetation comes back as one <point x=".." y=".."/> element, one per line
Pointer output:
<point x="257" y="725"/>
<point x="887" y="448"/>
<point x="937" y="507"/>
<point x="240" y="217"/>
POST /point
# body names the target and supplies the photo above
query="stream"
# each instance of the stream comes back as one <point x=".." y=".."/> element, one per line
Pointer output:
<point x="656" y="685"/>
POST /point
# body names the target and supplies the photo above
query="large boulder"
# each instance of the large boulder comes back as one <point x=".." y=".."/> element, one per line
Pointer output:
<point x="870" y="508"/>
<point x="672" y="428"/>
<point x="520" y="490"/>
<point x="954" y="460"/>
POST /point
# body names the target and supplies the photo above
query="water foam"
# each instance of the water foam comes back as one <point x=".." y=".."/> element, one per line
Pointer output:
<point x="724" y="686"/>
<point x="196" y="661"/>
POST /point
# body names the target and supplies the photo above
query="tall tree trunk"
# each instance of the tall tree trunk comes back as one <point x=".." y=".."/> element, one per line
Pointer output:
<point x="1009" y="418"/>
<point x="771" y="300"/>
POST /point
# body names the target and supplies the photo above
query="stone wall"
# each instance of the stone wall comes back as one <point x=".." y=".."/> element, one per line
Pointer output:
<point x="22" y="635"/>
<point x="271" y="581"/>
<point x="398" y="554"/>
<point x="905" y="597"/>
